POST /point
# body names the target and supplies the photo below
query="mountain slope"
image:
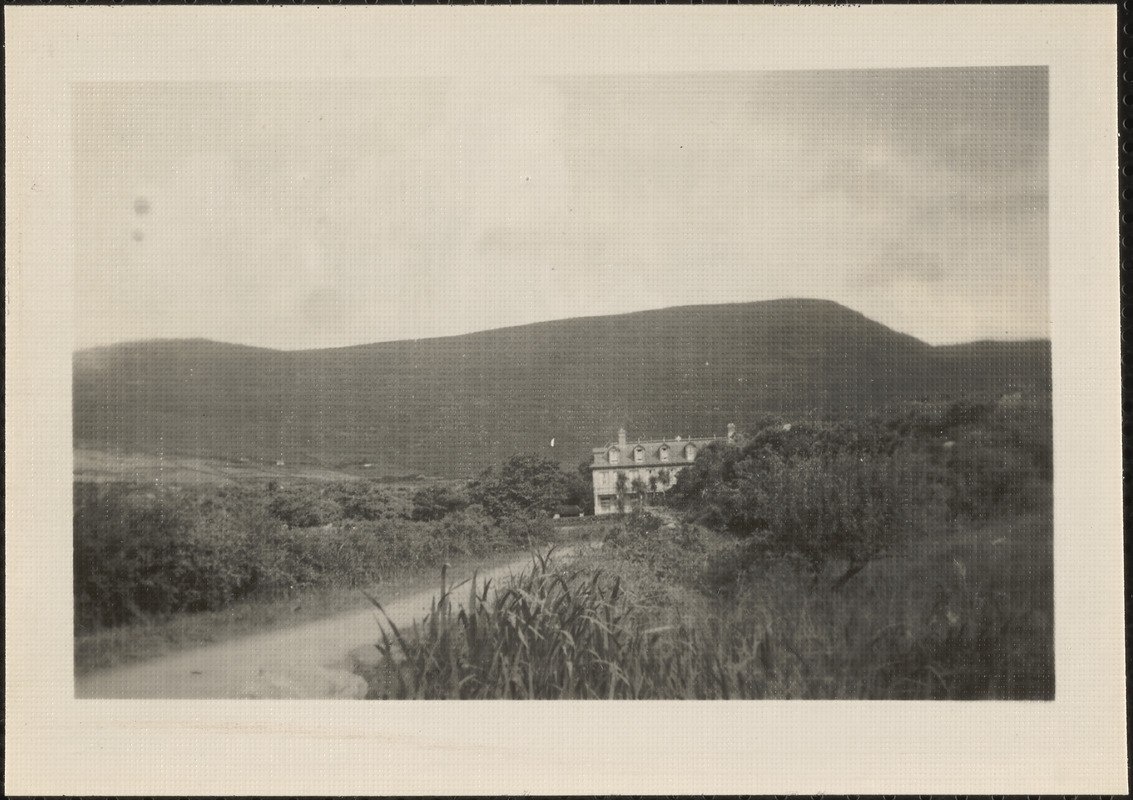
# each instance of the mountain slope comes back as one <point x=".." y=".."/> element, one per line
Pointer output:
<point x="450" y="406"/>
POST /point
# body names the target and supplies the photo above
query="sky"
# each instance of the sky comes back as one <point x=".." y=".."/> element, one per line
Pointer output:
<point x="302" y="215"/>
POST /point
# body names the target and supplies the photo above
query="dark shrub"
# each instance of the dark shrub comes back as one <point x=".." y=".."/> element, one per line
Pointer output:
<point x="127" y="544"/>
<point x="988" y="475"/>
<point x="468" y="532"/>
<point x="964" y="412"/>
<point x="524" y="485"/>
<point x="840" y="508"/>
<point x="582" y="491"/>
<point x="303" y="506"/>
<point x="361" y="500"/>
<point x="140" y="552"/>
<point x="725" y="567"/>
<point x="434" y="502"/>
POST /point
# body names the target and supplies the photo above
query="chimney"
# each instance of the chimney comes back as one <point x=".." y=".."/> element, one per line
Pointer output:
<point x="731" y="431"/>
<point x="621" y="437"/>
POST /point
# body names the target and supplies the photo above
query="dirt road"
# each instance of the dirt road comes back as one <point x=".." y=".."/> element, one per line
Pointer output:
<point x="310" y="661"/>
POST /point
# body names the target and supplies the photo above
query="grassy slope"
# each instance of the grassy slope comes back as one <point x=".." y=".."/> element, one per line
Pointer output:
<point x="451" y="406"/>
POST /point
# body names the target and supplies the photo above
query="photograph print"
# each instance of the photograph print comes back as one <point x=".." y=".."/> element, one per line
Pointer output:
<point x="701" y="385"/>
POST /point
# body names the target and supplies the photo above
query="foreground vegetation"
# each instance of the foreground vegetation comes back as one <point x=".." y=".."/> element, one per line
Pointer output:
<point x="144" y="553"/>
<point x="147" y="638"/>
<point x="905" y="557"/>
<point x="163" y="567"/>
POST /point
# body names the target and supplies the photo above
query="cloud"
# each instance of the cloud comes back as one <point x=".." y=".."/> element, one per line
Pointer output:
<point x="900" y="264"/>
<point x="304" y="215"/>
<point x="323" y="307"/>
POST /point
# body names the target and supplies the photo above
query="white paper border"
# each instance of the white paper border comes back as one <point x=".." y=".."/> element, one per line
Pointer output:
<point x="56" y="744"/>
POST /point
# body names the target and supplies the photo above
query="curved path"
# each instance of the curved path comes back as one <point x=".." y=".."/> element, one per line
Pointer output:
<point x="308" y="661"/>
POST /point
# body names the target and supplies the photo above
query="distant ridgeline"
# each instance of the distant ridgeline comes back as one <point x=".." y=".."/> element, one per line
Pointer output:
<point x="451" y="406"/>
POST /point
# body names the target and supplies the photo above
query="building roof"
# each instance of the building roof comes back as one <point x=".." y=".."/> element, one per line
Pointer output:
<point x="652" y="457"/>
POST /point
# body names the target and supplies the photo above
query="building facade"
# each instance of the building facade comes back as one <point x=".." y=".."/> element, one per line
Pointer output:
<point x="621" y="471"/>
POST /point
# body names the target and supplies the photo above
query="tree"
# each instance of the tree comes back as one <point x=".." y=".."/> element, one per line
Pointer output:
<point x="638" y="487"/>
<point x="584" y="494"/>
<point x="522" y="485"/>
<point x="828" y="509"/>
<point x="723" y="488"/>
<point x="664" y="478"/>
<point x="620" y="486"/>
<point x="582" y="491"/>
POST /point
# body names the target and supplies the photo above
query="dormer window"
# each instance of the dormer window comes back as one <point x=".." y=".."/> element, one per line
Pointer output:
<point x="664" y="452"/>
<point x="613" y="455"/>
<point x="638" y="454"/>
<point x="690" y="452"/>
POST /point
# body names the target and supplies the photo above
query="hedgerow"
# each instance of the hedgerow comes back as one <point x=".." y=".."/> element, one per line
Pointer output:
<point x="141" y="554"/>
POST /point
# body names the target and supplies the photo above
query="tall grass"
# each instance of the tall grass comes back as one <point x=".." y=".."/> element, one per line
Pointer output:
<point x="966" y="615"/>
<point x="547" y="634"/>
<point x="554" y="634"/>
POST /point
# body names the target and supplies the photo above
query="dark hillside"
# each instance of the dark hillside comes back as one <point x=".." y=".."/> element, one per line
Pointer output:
<point x="451" y="406"/>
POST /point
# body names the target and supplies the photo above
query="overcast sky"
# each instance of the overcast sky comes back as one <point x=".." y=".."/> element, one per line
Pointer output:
<point x="312" y="215"/>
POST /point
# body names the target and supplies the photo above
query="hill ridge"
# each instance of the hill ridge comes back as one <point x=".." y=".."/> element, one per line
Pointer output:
<point x="452" y="405"/>
<point x="523" y="325"/>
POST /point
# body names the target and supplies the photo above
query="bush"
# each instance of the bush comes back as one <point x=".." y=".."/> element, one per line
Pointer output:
<point x="468" y="532"/>
<point x="727" y="567"/>
<point x="964" y="412"/>
<point x="722" y="488"/>
<point x="835" y="509"/>
<point x="434" y="502"/>
<point x="990" y="471"/>
<point x="309" y="505"/>
<point x="140" y="554"/>
<point x="992" y="463"/>
<point x="303" y="507"/>
<point x="127" y="544"/>
<point x="673" y="553"/>
<point x="362" y="501"/>
<point x="522" y="485"/>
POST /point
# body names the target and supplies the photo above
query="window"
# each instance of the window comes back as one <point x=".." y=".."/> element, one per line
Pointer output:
<point x="638" y="454"/>
<point x="664" y="452"/>
<point x="613" y="455"/>
<point x="690" y="452"/>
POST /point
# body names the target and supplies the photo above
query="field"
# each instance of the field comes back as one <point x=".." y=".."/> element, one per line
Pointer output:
<point x="97" y="465"/>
